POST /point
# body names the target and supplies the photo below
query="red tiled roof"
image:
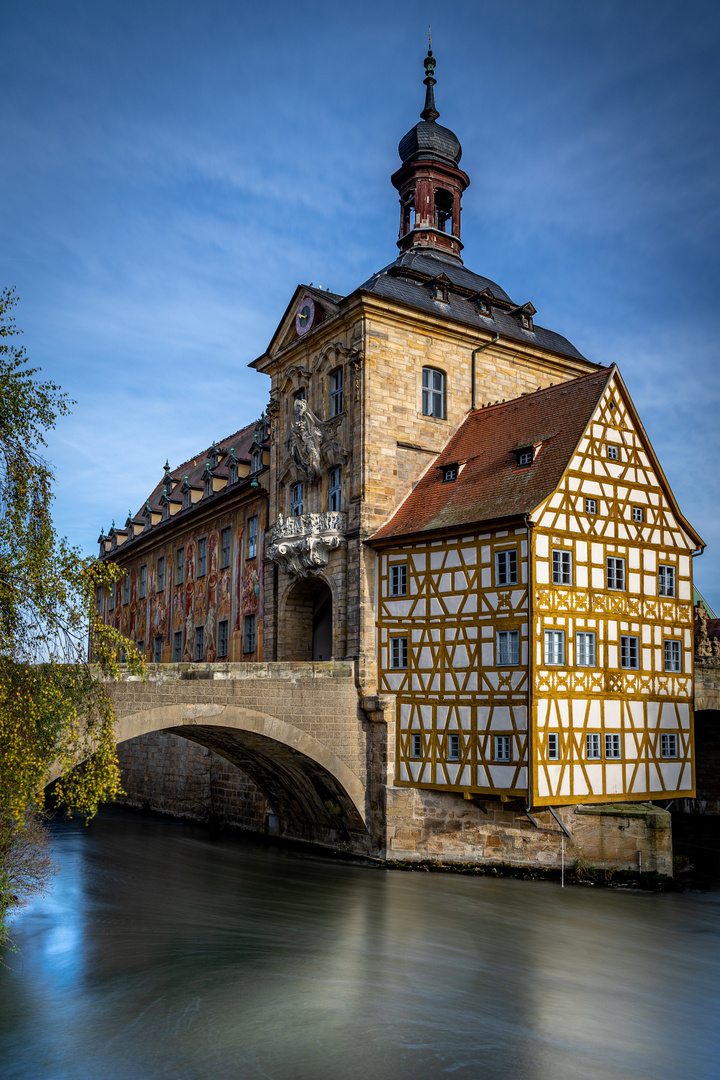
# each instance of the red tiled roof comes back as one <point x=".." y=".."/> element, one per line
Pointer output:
<point x="491" y="487"/>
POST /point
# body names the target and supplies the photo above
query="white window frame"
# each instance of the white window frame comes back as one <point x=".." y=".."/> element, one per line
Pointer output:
<point x="672" y="655"/>
<point x="630" y="652"/>
<point x="614" y="573"/>
<point x="638" y="514"/>
<point x="591" y="506"/>
<point x="668" y="745"/>
<point x="434" y="389"/>
<point x="336" y="391"/>
<point x="506" y="566"/>
<point x="507" y="647"/>
<point x="562" y="567"/>
<point x="503" y="748"/>
<point x="554" y="647"/>
<point x="553" y="745"/>
<point x="613" y="452"/>
<point x="667" y="580"/>
<point x="252" y="537"/>
<point x="297" y="499"/>
<point x="398" y="653"/>
<point x="593" y="746"/>
<point x="335" y="488"/>
<point x="450" y="473"/>
<point x="585" y="648"/>
<point x="453" y="746"/>
<point x="613" y="746"/>
<point x="398" y="579"/>
<point x="525" y="457"/>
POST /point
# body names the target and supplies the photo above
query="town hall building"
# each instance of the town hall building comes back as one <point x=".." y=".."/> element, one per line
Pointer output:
<point x="453" y="497"/>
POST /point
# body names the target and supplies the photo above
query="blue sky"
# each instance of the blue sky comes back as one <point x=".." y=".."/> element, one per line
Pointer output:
<point x="171" y="170"/>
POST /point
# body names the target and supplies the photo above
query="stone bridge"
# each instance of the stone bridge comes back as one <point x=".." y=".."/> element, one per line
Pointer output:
<point x="295" y="728"/>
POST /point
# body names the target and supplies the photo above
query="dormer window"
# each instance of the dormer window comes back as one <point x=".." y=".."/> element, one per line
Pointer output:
<point x="232" y="473"/>
<point x="165" y="509"/>
<point x="450" y="474"/>
<point x="441" y="292"/>
<point x="256" y="460"/>
<point x="208" y="486"/>
<point x="525" y="456"/>
<point x="187" y="499"/>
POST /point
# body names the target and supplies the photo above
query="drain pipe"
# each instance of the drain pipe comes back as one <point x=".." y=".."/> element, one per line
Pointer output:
<point x="474" y="354"/>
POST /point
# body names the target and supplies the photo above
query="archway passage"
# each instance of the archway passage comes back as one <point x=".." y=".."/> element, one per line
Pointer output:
<point x="306" y="622"/>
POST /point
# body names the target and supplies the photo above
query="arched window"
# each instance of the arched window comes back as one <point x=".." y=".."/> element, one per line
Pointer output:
<point x="443" y="210"/>
<point x="408" y="209"/>
<point x="433" y="393"/>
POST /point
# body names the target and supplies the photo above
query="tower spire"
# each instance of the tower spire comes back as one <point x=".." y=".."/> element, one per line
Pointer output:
<point x="429" y="112"/>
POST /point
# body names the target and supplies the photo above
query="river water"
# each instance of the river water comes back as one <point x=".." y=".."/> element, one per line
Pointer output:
<point x="162" y="952"/>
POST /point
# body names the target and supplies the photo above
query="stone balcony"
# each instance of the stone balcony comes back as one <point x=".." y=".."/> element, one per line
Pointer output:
<point x="301" y="545"/>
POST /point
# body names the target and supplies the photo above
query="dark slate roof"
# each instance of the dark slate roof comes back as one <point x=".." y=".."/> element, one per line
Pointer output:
<point x="491" y="487"/>
<point x="432" y="141"/>
<point x="409" y="280"/>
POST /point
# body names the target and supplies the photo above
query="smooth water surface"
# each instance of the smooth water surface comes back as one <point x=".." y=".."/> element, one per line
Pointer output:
<point x="162" y="953"/>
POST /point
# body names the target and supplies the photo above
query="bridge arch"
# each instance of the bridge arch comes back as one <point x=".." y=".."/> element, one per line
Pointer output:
<point x="315" y="794"/>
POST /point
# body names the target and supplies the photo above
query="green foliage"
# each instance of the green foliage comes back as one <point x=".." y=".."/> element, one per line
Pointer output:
<point x="56" y="717"/>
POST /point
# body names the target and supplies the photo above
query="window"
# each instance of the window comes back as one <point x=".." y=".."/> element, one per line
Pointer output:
<point x="555" y="647"/>
<point x="180" y="565"/>
<point x="296" y="495"/>
<point x="613" y="453"/>
<point x="157" y="650"/>
<point x="673" y="656"/>
<point x="591" y="506"/>
<point x="232" y="473"/>
<point x="629" y="652"/>
<point x="223" y="639"/>
<point x="553" y="747"/>
<point x="300" y="394"/>
<point x="562" y="568"/>
<point x="336" y="392"/>
<point x="449" y="474"/>
<point x="615" y="573"/>
<point x="416" y="746"/>
<point x="187" y="499"/>
<point x="638" y="513"/>
<point x="443" y="210"/>
<point x="199" y="642"/>
<point x="143" y="583"/>
<point x="252" y="527"/>
<point x="666" y="581"/>
<point x="249" y="634"/>
<point x="433" y="393"/>
<point x="165" y="510"/>
<point x="177" y="647"/>
<point x="256" y="460"/>
<point x="398" y="652"/>
<point x="668" y="746"/>
<point x="161" y="573"/>
<point x="502" y="747"/>
<point x="111" y="597"/>
<point x="398" y="579"/>
<point x="592" y="747"/>
<point x="208" y="486"/>
<point x="525" y="457"/>
<point x="506" y="567"/>
<point x="585" y="649"/>
<point x="612" y="746"/>
<point x="453" y="747"/>
<point x="225" y="545"/>
<point x="508" y="648"/>
<point x="335" y="488"/>
<point x="202" y="557"/>
<point x="126" y="589"/>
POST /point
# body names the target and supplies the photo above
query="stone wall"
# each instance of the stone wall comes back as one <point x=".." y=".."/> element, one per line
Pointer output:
<point x="165" y="772"/>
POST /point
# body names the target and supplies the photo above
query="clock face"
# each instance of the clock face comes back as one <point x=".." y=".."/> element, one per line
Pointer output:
<point x="305" y="315"/>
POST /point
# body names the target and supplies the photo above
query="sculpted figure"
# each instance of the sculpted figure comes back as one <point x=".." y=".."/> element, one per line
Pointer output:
<point x="715" y="648"/>
<point x="703" y="648"/>
<point x="307" y="439"/>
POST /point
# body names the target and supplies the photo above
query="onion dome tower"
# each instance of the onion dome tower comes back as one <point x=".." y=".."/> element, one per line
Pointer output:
<point x="430" y="181"/>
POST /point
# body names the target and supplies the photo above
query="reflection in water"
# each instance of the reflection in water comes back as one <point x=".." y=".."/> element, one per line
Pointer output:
<point x="164" y="954"/>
